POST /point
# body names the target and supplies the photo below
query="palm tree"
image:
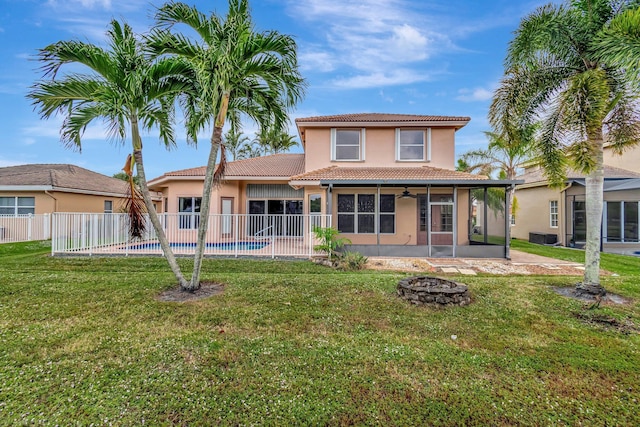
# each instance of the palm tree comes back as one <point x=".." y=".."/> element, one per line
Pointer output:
<point x="619" y="43"/>
<point x="237" y="70"/>
<point x="552" y="73"/>
<point x="124" y="87"/>
<point x="505" y="154"/>
<point x="274" y="140"/>
<point x="234" y="141"/>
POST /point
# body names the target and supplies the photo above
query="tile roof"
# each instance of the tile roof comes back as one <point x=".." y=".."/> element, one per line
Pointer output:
<point x="61" y="177"/>
<point x="536" y="174"/>
<point x="424" y="173"/>
<point x="275" y="165"/>
<point x="382" y="117"/>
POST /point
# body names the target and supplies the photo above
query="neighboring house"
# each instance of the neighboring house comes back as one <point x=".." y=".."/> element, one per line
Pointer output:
<point x="629" y="160"/>
<point x="560" y="213"/>
<point x="48" y="188"/>
<point x="41" y="189"/>
<point x="388" y="182"/>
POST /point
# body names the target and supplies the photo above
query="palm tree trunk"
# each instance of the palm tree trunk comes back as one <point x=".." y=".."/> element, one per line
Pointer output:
<point x="594" y="205"/>
<point x="216" y="140"/>
<point x="146" y="196"/>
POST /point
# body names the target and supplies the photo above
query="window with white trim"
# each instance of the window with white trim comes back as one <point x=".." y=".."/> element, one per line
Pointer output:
<point x="189" y="209"/>
<point x="412" y="145"/>
<point x="17" y="206"/>
<point x="347" y="144"/>
<point x="108" y="206"/>
<point x="553" y="213"/>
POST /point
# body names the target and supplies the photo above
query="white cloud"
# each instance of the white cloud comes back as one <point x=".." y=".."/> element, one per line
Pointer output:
<point x="316" y="61"/>
<point x="384" y="41"/>
<point x="477" y="94"/>
<point x="378" y="79"/>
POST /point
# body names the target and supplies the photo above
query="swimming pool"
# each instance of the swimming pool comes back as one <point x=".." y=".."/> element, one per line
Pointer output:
<point x="225" y="246"/>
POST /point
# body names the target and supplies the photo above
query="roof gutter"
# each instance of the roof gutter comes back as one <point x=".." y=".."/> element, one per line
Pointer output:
<point x="404" y="182"/>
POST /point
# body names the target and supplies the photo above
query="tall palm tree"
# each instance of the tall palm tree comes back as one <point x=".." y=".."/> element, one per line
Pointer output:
<point x="619" y="43"/>
<point x="552" y="72"/>
<point x="237" y="70"/>
<point x="124" y="87"/>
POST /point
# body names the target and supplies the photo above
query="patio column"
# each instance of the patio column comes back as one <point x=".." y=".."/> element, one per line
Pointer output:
<point x="455" y="220"/>
<point x="377" y="216"/>
<point x="485" y="209"/>
<point x="507" y="222"/>
<point x="428" y="222"/>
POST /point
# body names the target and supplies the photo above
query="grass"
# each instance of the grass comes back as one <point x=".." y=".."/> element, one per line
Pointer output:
<point x="83" y="341"/>
<point x="623" y="265"/>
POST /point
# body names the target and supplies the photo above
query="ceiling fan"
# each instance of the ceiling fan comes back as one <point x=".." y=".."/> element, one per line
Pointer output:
<point x="406" y="194"/>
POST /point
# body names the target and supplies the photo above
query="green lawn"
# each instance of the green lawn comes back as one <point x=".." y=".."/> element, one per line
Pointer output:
<point x="84" y="341"/>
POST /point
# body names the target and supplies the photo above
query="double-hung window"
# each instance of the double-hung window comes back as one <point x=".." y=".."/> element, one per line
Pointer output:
<point x="412" y="145"/>
<point x="189" y="209"/>
<point x="347" y="144"/>
<point x="17" y="206"/>
<point x="553" y="213"/>
<point x="108" y="206"/>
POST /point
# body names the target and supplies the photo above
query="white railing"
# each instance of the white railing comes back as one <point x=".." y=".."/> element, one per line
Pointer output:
<point x="229" y="235"/>
<point x="23" y="228"/>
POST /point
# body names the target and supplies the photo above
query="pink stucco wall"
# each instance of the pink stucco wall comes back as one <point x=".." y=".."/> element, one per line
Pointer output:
<point x="380" y="149"/>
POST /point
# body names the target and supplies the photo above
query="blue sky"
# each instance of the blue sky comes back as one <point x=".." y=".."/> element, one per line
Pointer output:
<point x="439" y="57"/>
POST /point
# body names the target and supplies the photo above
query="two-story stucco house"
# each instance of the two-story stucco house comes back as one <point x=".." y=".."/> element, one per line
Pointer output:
<point x="387" y="182"/>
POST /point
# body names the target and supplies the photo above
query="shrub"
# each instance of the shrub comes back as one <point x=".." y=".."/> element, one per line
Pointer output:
<point x="330" y="243"/>
<point x="351" y="261"/>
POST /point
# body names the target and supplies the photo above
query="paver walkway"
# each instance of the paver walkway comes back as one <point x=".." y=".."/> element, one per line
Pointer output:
<point x="520" y="263"/>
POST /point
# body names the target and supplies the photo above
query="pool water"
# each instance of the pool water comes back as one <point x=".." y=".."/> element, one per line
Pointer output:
<point x="229" y="246"/>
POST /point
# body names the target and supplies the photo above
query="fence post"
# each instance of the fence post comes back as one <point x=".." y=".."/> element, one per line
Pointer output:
<point x="47" y="226"/>
<point x="53" y="239"/>
<point x="235" y="233"/>
<point x="29" y="224"/>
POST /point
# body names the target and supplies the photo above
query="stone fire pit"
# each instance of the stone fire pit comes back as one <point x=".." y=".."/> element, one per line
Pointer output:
<point x="433" y="291"/>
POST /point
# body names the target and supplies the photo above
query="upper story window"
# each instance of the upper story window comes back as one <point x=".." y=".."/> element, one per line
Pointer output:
<point x="17" y="206"/>
<point x="347" y="144"/>
<point x="412" y="145"/>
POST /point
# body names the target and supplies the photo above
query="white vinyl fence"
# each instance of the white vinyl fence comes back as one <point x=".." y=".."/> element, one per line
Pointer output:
<point x="23" y="228"/>
<point x="227" y="234"/>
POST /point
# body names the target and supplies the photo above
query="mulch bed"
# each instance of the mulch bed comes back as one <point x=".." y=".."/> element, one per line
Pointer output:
<point x="206" y="290"/>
